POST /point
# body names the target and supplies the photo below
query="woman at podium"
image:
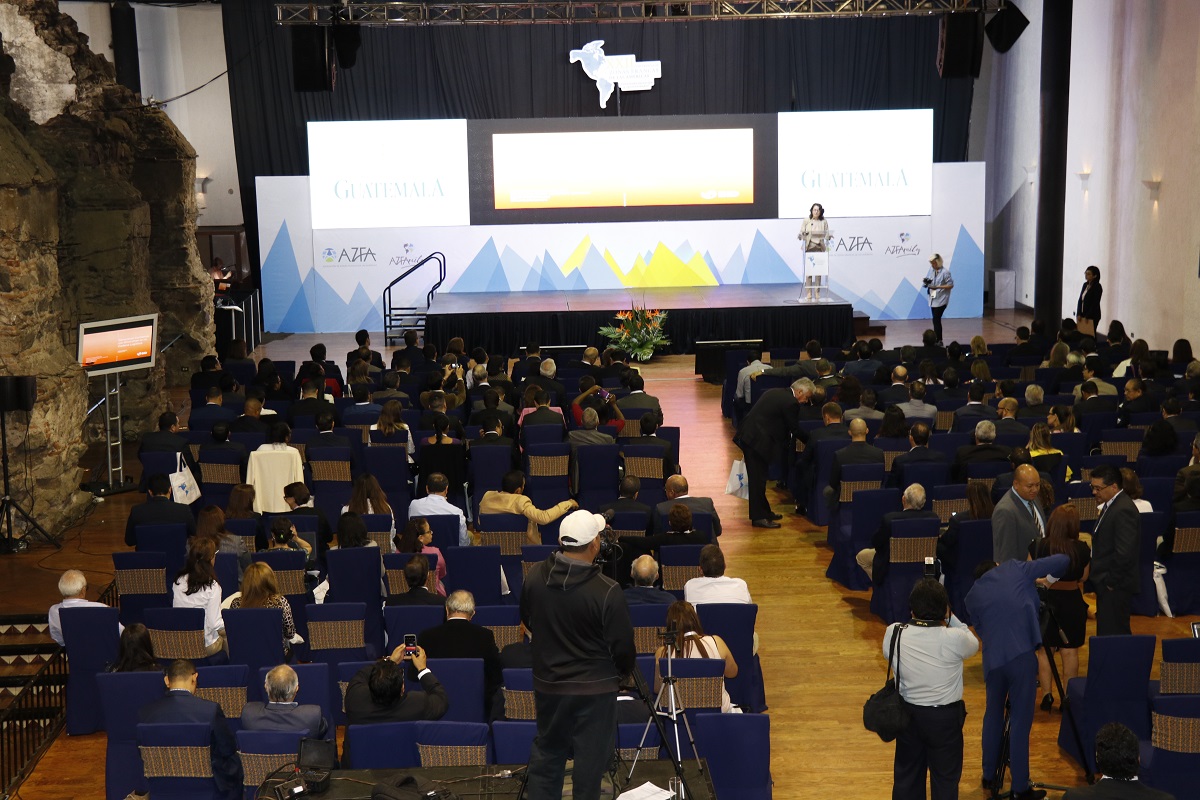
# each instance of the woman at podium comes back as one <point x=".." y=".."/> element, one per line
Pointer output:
<point x="814" y="233"/>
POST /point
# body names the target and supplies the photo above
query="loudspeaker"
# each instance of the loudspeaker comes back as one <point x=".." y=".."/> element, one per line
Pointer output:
<point x="17" y="393"/>
<point x="346" y="41"/>
<point x="1005" y="27"/>
<point x="960" y="45"/>
<point x="312" y="71"/>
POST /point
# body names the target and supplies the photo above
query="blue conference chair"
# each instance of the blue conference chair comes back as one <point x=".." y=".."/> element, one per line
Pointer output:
<point x="122" y="695"/>
<point x="141" y="580"/>
<point x="476" y="569"/>
<point x="512" y="740"/>
<point x="400" y="620"/>
<point x="1170" y="761"/>
<point x="737" y="748"/>
<point x="463" y="679"/>
<point x="179" y="633"/>
<point x="734" y="622"/>
<point x="92" y="639"/>
<point x="385" y="745"/>
<point x="262" y="753"/>
<point x="356" y="576"/>
<point x="255" y="638"/>
<point x="177" y="761"/>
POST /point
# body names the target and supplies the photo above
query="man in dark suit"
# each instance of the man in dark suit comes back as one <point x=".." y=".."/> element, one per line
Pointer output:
<point x="1035" y="407"/>
<point x="543" y="414"/>
<point x="1018" y="519"/>
<point x="857" y="452"/>
<point x="649" y="424"/>
<point x="544" y="377"/>
<point x="492" y="404"/>
<point x="1117" y="760"/>
<point x="864" y="366"/>
<point x="984" y="449"/>
<point x="363" y="338"/>
<point x="1024" y="348"/>
<point x="1192" y="469"/>
<point x="365" y="410"/>
<point x="897" y="392"/>
<point x="676" y="489"/>
<point x="458" y="637"/>
<point x="918" y="439"/>
<point x="1185" y="428"/>
<point x="530" y="364"/>
<point x="377" y="693"/>
<point x="1137" y="401"/>
<point x="1092" y="402"/>
<point x="325" y="436"/>
<point x="167" y="439"/>
<point x="220" y="444"/>
<point x="319" y="358"/>
<point x="975" y="409"/>
<point x="1006" y="421"/>
<point x="299" y="502"/>
<point x="310" y="404"/>
<point x="612" y="365"/>
<point x="391" y="390"/>
<point x="210" y="374"/>
<point x="1114" y="551"/>
<point x="628" y="502"/>
<point x="281" y="712"/>
<point x="180" y="704"/>
<point x="763" y="436"/>
<point x="875" y="560"/>
<point x="930" y="349"/>
<point x="637" y="402"/>
<point x="416" y="576"/>
<point x="159" y="509"/>
<point x="251" y="419"/>
<point x="492" y="435"/>
<point x="204" y="417"/>
<point x="644" y="573"/>
<point x="411" y="351"/>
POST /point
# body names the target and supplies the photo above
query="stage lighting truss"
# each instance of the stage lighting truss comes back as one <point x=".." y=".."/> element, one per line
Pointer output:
<point x="567" y="11"/>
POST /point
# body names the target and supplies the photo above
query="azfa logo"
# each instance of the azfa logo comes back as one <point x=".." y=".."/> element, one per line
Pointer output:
<point x="853" y="244"/>
<point x="329" y="254"/>
<point x="904" y="237"/>
<point x="349" y="255"/>
<point x="903" y="249"/>
<point x="408" y="247"/>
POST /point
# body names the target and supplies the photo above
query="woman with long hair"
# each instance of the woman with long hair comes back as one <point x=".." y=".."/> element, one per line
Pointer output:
<point x="1131" y="367"/>
<point x="692" y="642"/>
<point x="1118" y="342"/>
<point x="1064" y="598"/>
<point x="1131" y="484"/>
<point x="367" y="497"/>
<point x="352" y="532"/>
<point x="1181" y="355"/>
<point x="1161" y="440"/>
<point x="1061" y="419"/>
<point x="135" y="652"/>
<point x="928" y="375"/>
<point x="417" y="537"/>
<point x="980" y="371"/>
<point x="210" y="522"/>
<point x="196" y="587"/>
<point x="441" y="427"/>
<point x="391" y="428"/>
<point x="850" y="392"/>
<point x="979" y="506"/>
<point x="241" y="506"/>
<point x="814" y="233"/>
<point x="1044" y="456"/>
<point x="1058" y="356"/>
<point x="261" y="590"/>
<point x="894" y="425"/>
<point x="360" y="372"/>
<point x="979" y="348"/>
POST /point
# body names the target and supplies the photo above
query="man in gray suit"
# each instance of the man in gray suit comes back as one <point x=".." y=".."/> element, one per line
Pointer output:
<point x="1114" y="551"/>
<point x="676" y="489"/>
<point x="281" y="712"/>
<point x="1018" y="519"/>
<point x="915" y="407"/>
<point x="637" y="400"/>
<point x="866" y="407"/>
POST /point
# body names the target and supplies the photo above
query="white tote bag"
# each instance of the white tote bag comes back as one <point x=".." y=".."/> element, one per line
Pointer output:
<point x="736" y="485"/>
<point x="184" y="488"/>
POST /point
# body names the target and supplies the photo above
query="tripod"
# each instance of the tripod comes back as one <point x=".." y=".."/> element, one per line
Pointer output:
<point x="8" y="505"/>
<point x="675" y="711"/>
<point x="1048" y="619"/>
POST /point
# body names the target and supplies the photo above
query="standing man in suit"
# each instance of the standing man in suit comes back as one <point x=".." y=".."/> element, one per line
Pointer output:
<point x="762" y="437"/>
<point x="281" y="712"/>
<point x="159" y="509"/>
<point x="920" y="453"/>
<point x="857" y="452"/>
<point x="676" y="489"/>
<point x="1004" y="605"/>
<point x="180" y="704"/>
<point x="1114" y="551"/>
<point x="458" y="637"/>
<point x="1018" y="518"/>
<point x="1117" y="760"/>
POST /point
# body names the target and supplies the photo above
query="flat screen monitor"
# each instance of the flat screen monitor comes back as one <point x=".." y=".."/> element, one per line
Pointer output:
<point x="118" y="345"/>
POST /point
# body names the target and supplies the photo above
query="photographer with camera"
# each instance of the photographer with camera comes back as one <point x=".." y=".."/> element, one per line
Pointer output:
<point x="582" y="645"/>
<point x="931" y="653"/>
<point x="938" y="283"/>
<point x="1006" y="611"/>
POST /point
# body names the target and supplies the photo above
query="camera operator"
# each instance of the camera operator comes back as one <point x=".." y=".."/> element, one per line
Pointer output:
<point x="582" y="643"/>
<point x="1005" y="609"/>
<point x="931" y="652"/>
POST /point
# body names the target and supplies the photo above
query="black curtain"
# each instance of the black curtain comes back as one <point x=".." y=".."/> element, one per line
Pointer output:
<point x="521" y="71"/>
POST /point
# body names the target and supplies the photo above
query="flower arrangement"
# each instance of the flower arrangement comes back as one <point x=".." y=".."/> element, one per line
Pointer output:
<point x="637" y="332"/>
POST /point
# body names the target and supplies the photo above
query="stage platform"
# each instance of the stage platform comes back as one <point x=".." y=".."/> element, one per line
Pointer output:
<point x="700" y="313"/>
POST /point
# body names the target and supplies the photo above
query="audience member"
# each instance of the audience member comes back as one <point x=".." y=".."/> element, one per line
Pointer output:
<point x="511" y="500"/>
<point x="281" y="712"/>
<point x="458" y="637"/>
<point x="416" y="577"/>
<point x="260" y="590"/>
<point x="645" y="575"/>
<point x="196" y="587"/>
<point x="159" y="509"/>
<point x="676" y="490"/>
<point x="377" y="692"/>
<point x="417" y="537"/>
<point x="72" y="586"/>
<point x="1118" y="759"/>
<point x="135" y="652"/>
<point x="983" y="450"/>
<point x="875" y="559"/>
<point x="713" y="586"/>
<point x="919" y="453"/>
<point x="692" y="642"/>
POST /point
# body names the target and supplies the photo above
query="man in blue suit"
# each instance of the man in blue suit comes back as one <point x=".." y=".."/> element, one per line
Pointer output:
<point x="1004" y="606"/>
<point x="180" y="704"/>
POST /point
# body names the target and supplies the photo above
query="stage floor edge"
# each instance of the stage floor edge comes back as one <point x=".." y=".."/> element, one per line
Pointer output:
<point x="503" y="322"/>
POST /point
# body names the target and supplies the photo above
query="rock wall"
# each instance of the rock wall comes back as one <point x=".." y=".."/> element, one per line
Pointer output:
<point x="97" y="220"/>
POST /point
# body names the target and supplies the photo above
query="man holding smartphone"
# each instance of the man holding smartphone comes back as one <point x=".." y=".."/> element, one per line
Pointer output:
<point x="377" y="692"/>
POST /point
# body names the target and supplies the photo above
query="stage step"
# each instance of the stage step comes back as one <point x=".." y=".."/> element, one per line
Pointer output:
<point x="25" y="647"/>
<point x="399" y="320"/>
<point x="863" y="327"/>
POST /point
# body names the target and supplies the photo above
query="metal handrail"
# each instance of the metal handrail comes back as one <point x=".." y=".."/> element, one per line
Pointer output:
<point x="32" y="721"/>
<point x="387" y="292"/>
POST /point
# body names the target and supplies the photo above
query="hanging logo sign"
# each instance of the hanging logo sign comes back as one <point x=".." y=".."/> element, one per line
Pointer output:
<point x="611" y="71"/>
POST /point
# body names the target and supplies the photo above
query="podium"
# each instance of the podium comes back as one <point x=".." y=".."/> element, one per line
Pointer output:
<point x="816" y="267"/>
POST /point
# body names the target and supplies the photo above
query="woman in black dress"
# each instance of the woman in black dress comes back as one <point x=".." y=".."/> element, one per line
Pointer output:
<point x="1064" y="598"/>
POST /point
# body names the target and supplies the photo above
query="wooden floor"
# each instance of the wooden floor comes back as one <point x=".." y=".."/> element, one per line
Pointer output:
<point x="820" y="647"/>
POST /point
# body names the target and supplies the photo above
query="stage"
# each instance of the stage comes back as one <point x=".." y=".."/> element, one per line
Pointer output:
<point x="507" y="321"/>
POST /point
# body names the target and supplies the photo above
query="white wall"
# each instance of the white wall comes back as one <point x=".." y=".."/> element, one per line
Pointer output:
<point x="1010" y="145"/>
<point x="1134" y="116"/>
<point x="178" y="50"/>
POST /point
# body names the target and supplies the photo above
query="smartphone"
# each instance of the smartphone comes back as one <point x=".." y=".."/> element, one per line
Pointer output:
<point x="410" y="645"/>
<point x="604" y="395"/>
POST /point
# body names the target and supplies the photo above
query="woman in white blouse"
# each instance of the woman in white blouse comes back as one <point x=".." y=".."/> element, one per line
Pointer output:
<point x="814" y="233"/>
<point x="197" y="587"/>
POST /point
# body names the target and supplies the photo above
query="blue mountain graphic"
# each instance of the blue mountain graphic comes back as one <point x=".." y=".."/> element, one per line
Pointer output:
<point x="358" y="309"/>
<point x="905" y="300"/>
<point x="967" y="255"/>
<point x="712" y="267"/>
<point x="595" y="273"/>
<point x="299" y="318"/>
<point x="515" y="269"/>
<point x="765" y="265"/>
<point x="534" y="278"/>
<point x="280" y="280"/>
<point x="735" y="267"/>
<point x="481" y="272"/>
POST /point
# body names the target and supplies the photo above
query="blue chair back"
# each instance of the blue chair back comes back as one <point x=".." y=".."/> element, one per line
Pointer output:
<point x="226" y="570"/>
<point x="822" y="464"/>
<point x="540" y="434"/>
<point x="734" y="622"/>
<point x="163" y="622"/>
<point x="92" y="640"/>
<point x="630" y="521"/>
<point x="156" y="463"/>
<point x="255" y="638"/>
<point x="1158" y="467"/>
<point x="284" y="745"/>
<point x="445" y="530"/>
<point x="1154" y="526"/>
<point x="597" y="474"/>
<point x="679" y="563"/>
<point x="141" y="583"/>
<point x="463" y="679"/>
<point x="333" y="628"/>
<point x="250" y="530"/>
<point x="400" y="620"/>
<point x="355" y="576"/>
<point x="122" y="695"/>
<point x="987" y="470"/>
<point x="152" y="736"/>
<point x="486" y="469"/>
<point x="225" y="685"/>
<point x="737" y="748"/>
<point x="1166" y="765"/>
<point x="170" y="540"/>
<point x="251" y="440"/>
<point x="652" y="492"/>
<point x="519" y="680"/>
<point x="383" y="745"/>
<point x="927" y="473"/>
<point x="547" y="473"/>
<point x="389" y="465"/>
<point x="314" y="690"/>
<point x="890" y="600"/>
<point x="974" y="546"/>
<point x="513" y="740"/>
<point x="450" y="733"/>
<point x="476" y="569"/>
